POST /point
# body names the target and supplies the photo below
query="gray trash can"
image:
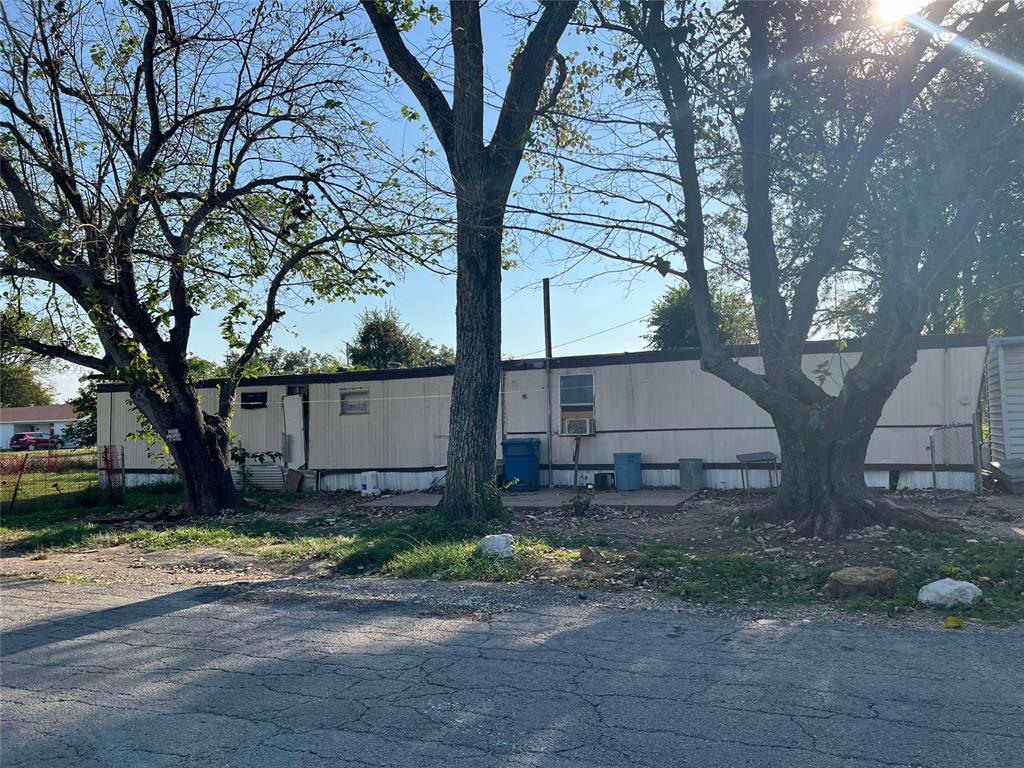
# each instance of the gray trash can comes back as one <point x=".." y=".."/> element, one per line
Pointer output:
<point x="691" y="474"/>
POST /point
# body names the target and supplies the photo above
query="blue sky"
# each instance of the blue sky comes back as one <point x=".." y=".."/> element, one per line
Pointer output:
<point x="580" y="308"/>
<point x="427" y="302"/>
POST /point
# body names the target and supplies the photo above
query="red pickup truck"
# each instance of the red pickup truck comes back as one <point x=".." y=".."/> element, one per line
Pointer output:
<point x="34" y="441"/>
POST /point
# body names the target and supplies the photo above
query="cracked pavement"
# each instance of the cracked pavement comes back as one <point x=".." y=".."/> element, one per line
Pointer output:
<point x="373" y="672"/>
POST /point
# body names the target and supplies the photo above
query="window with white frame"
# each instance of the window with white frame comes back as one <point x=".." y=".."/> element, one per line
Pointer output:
<point x="576" y="403"/>
<point x="576" y="391"/>
<point x="354" y="402"/>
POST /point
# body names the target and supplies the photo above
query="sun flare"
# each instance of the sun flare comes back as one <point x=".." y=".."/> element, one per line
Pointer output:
<point x="892" y="11"/>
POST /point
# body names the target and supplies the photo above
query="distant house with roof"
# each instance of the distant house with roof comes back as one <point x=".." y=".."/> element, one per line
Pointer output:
<point x="34" y="418"/>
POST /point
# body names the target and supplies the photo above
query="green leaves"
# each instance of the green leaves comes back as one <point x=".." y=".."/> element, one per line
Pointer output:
<point x="822" y="371"/>
<point x="673" y="321"/>
<point x="98" y="54"/>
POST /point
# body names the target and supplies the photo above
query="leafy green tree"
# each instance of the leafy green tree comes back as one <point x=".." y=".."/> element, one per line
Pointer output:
<point x="21" y="384"/>
<point x="821" y="154"/>
<point x="673" y="323"/>
<point x="82" y="431"/>
<point x="988" y="297"/>
<point x="275" y="361"/>
<point x="22" y="372"/>
<point x="270" y="361"/>
<point x="201" y="369"/>
<point x="160" y="160"/>
<point x="382" y="341"/>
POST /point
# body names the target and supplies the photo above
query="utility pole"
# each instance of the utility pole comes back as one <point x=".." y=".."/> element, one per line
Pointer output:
<point x="547" y="370"/>
<point x="547" y="318"/>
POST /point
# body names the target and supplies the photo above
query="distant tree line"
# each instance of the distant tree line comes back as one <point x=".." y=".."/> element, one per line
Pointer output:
<point x="381" y="340"/>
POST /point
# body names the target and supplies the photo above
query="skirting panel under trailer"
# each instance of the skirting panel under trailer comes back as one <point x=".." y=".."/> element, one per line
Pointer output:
<point x="900" y="478"/>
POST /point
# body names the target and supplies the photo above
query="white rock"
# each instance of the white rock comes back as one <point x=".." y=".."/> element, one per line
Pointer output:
<point x="946" y="593"/>
<point x="497" y="544"/>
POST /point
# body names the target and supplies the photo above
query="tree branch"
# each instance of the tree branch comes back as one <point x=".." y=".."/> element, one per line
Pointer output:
<point x="60" y="351"/>
<point x="408" y="67"/>
<point x="529" y="70"/>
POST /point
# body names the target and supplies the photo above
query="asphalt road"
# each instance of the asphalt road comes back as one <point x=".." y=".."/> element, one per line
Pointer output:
<point x="385" y="673"/>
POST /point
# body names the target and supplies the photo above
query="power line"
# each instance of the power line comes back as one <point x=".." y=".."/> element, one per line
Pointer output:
<point x="589" y="336"/>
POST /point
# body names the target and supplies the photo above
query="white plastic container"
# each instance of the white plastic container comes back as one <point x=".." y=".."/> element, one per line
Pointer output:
<point x="368" y="484"/>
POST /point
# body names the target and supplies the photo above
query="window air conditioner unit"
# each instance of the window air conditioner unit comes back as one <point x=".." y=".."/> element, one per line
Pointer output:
<point x="578" y="427"/>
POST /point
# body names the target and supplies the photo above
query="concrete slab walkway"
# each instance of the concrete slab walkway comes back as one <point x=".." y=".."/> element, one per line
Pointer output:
<point x="652" y="499"/>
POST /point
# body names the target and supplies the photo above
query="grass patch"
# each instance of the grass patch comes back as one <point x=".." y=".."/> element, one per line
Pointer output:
<point x="45" y="479"/>
<point x="727" y="577"/>
<point x="424" y="546"/>
<point x="420" y="546"/>
<point x="451" y="560"/>
<point x="997" y="566"/>
<point x="62" y="527"/>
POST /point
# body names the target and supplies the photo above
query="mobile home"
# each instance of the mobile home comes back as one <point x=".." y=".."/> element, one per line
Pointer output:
<point x="334" y="427"/>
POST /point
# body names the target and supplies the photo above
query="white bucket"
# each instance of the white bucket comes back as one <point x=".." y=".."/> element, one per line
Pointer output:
<point x="368" y="484"/>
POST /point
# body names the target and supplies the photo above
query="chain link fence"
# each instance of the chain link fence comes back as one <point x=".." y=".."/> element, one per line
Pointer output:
<point x="956" y="457"/>
<point x="76" y="477"/>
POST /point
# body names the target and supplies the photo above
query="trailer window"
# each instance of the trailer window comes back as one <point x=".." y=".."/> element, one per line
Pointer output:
<point x="252" y="400"/>
<point x="577" y="390"/>
<point x="355" y="402"/>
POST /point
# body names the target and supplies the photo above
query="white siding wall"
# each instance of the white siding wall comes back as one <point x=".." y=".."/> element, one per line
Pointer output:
<point x="673" y="410"/>
<point x="993" y="381"/>
<point x="260" y="429"/>
<point x="1005" y="375"/>
<point x="406" y="426"/>
<point x="117" y="417"/>
<point x="1013" y="391"/>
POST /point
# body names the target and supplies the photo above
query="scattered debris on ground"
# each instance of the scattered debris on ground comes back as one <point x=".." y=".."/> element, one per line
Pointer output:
<point x="701" y="550"/>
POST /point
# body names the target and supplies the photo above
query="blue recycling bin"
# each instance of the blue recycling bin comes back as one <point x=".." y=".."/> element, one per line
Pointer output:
<point x="522" y="463"/>
<point x="628" y="476"/>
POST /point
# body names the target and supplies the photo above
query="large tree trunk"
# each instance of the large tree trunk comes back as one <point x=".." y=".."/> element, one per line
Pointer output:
<point x="470" y="490"/>
<point x="824" y="447"/>
<point x="205" y="473"/>
<point x="202" y="453"/>
<point x="823" y="489"/>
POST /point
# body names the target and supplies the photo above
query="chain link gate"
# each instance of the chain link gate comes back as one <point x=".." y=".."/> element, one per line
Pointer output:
<point x="956" y="457"/>
<point x="61" y="477"/>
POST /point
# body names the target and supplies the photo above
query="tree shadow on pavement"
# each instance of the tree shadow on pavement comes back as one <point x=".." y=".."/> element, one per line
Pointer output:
<point x="414" y="674"/>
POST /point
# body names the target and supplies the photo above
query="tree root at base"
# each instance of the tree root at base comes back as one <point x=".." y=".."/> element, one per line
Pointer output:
<point x="831" y="519"/>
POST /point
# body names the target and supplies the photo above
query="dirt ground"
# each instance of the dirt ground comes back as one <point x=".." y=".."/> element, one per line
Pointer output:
<point x="709" y="521"/>
<point x="706" y="523"/>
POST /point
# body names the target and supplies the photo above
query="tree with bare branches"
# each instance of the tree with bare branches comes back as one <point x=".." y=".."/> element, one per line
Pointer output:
<point x="160" y="160"/>
<point x="482" y="172"/>
<point x="805" y="150"/>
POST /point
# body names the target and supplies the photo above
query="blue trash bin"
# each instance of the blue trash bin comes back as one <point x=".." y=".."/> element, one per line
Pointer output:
<point x="628" y="476"/>
<point x="522" y="463"/>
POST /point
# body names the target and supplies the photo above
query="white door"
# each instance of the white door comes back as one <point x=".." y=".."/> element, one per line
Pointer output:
<point x="294" y="430"/>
